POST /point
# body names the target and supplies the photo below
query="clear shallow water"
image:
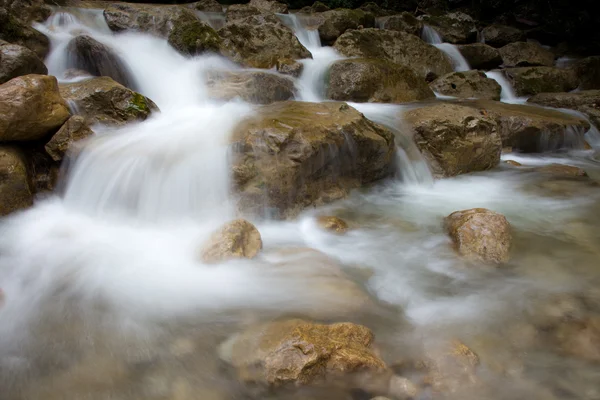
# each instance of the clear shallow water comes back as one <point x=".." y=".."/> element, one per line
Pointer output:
<point x="106" y="296"/>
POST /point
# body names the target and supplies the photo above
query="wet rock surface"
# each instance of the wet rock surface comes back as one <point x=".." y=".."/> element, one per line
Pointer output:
<point x="236" y="239"/>
<point x="468" y="84"/>
<point x="74" y="130"/>
<point x="17" y="60"/>
<point x="588" y="73"/>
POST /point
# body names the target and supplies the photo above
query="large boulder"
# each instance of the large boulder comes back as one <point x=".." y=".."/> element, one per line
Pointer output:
<point x="207" y="6"/>
<point x="236" y="239"/>
<point x="497" y="35"/>
<point x="15" y="191"/>
<point x="241" y="11"/>
<point x="524" y="54"/>
<point x="294" y="154"/>
<point x="183" y="30"/>
<point x="480" y="234"/>
<point x="259" y="41"/>
<point x="17" y="32"/>
<point x="588" y="73"/>
<point x="87" y="54"/>
<point x="585" y="101"/>
<point x="102" y="100"/>
<point x="74" y="130"/>
<point x="255" y="87"/>
<point x="272" y="6"/>
<point x="27" y="11"/>
<point x="376" y="81"/>
<point x="299" y="352"/>
<point x="528" y="81"/>
<point x="467" y="84"/>
<point x="399" y="47"/>
<point x="454" y="27"/>
<point x="404" y="22"/>
<point x="532" y="129"/>
<point x="455" y="139"/>
<point x="31" y="107"/>
<point x="16" y="60"/>
<point x="481" y="56"/>
<point x="332" y="24"/>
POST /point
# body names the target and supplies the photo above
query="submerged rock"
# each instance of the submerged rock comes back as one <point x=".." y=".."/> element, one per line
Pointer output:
<point x="260" y="41"/>
<point x="525" y="54"/>
<point x="467" y="84"/>
<point x="562" y="170"/>
<point x="455" y="27"/>
<point x="332" y="24"/>
<point x="87" y="54"/>
<point x="16" y="60"/>
<point x="251" y="86"/>
<point x="15" y="31"/>
<point x="299" y="352"/>
<point x="74" y="130"/>
<point x="497" y="35"/>
<point x="333" y="224"/>
<point x="236" y="239"/>
<point x="455" y="139"/>
<point x="31" y="107"/>
<point x="580" y="338"/>
<point x="378" y="81"/>
<point x="451" y="367"/>
<point x="15" y="192"/>
<point x="528" y="81"/>
<point x="399" y="47"/>
<point x="588" y="73"/>
<point x="294" y="154"/>
<point x="102" y="100"/>
<point x="481" y="56"/>
<point x="480" y="234"/>
<point x="404" y="22"/>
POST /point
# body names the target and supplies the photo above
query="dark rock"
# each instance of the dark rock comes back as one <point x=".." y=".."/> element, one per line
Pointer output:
<point x="500" y="35"/>
<point x="207" y="6"/>
<point x="481" y="56"/>
<point x="524" y="54"/>
<point x="335" y="22"/>
<point x="528" y="81"/>
<point x="14" y="31"/>
<point x="405" y="22"/>
<point x="271" y="6"/>
<point x="241" y="11"/>
<point x="588" y="73"/>
<point x="15" y="190"/>
<point x="17" y="60"/>
<point x="468" y="84"/>
<point x="454" y="27"/>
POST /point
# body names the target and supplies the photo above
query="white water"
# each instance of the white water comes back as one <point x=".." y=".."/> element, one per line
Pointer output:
<point x="508" y="94"/>
<point x="459" y="62"/>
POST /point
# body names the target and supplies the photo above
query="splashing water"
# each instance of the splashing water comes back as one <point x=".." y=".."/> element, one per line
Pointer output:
<point x="507" y="95"/>
<point x="458" y="61"/>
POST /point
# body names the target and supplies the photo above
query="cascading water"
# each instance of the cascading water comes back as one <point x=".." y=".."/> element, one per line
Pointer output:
<point x="431" y="36"/>
<point x="507" y="94"/>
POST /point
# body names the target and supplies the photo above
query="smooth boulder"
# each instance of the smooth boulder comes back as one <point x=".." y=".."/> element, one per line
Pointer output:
<point x="15" y="190"/>
<point x="468" y="84"/>
<point x="454" y="27"/>
<point x="259" y="41"/>
<point x="290" y="155"/>
<point x="529" y="81"/>
<point x="399" y="47"/>
<point x="236" y="239"/>
<point x="251" y="86"/>
<point x="375" y="81"/>
<point x="31" y="107"/>
<point x="480" y="55"/>
<point x="102" y="100"/>
<point x="404" y="22"/>
<point x="497" y="35"/>
<point x="332" y="24"/>
<point x="455" y="139"/>
<point x="74" y="130"/>
<point x="480" y="234"/>
<point x="16" y="60"/>
<point x="526" y="54"/>
<point x="299" y="352"/>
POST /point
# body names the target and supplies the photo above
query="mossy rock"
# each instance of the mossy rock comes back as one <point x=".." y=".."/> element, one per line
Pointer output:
<point x="529" y="81"/>
<point x="194" y="37"/>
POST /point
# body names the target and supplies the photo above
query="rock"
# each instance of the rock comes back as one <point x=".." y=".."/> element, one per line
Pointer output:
<point x="333" y="224"/>
<point x="15" y="191"/>
<point x="580" y="338"/>
<point x="375" y="81"/>
<point x="335" y="22"/>
<point x="481" y="56"/>
<point x="317" y="7"/>
<point x="378" y="11"/>
<point x="300" y="352"/>
<point x="241" y="11"/>
<point x="16" y="32"/>
<point x="451" y="368"/>
<point x="588" y="73"/>
<point x="251" y="86"/>
<point x="74" y="130"/>
<point x="500" y="35"/>
<point x="236" y="239"/>
<point x="294" y="154"/>
<point x="480" y="234"/>
<point x="402" y="388"/>
<point x="562" y="170"/>
<point x="467" y="84"/>
<point x="290" y="67"/>
<point x="28" y="11"/>
<point x="585" y="101"/>
<point x="399" y="47"/>
<point x="89" y="55"/>
<point x="270" y="6"/>
<point x="524" y="54"/>
<point x="455" y="27"/>
<point x="404" y="22"/>
<point x="30" y="108"/>
<point x="532" y="129"/>
<point x="260" y="41"/>
<point x="207" y="6"/>
<point x="17" y="60"/>
<point x="455" y="139"/>
<point x="528" y="81"/>
<point x="514" y="163"/>
<point x="102" y="100"/>
<point x="178" y="25"/>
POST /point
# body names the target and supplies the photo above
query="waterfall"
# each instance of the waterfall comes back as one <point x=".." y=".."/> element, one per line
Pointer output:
<point x="432" y="37"/>
<point x="507" y="94"/>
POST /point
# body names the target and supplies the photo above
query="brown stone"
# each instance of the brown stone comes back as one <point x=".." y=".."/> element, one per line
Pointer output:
<point x="529" y="81"/>
<point x="332" y="24"/>
<point x="514" y="163"/>
<point x="481" y="56"/>
<point x="333" y="224"/>
<point x="404" y="22"/>
<point x="562" y="170"/>
<point x="468" y="84"/>
<point x="15" y="190"/>
<point x="290" y="67"/>
<point x="480" y="234"/>
<point x="251" y="86"/>
<point x="270" y="6"/>
<point x="17" y="60"/>
<point x="497" y="35"/>
<point x="236" y="239"/>
<point x="454" y="27"/>
<point x="74" y="130"/>
<point x="524" y="54"/>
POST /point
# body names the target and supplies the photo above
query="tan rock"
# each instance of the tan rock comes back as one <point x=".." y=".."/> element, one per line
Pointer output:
<point x="468" y="84"/>
<point x="454" y="27"/>
<point x="523" y="54"/>
<point x="236" y="239"/>
<point x="290" y="67"/>
<point x="30" y="108"/>
<point x="404" y="22"/>
<point x="270" y="6"/>
<point x="480" y="234"/>
<point x="333" y="224"/>
<point x="514" y="163"/>
<point x="562" y="170"/>
<point x="15" y="190"/>
<point x="74" y="130"/>
<point x="333" y="23"/>
<point x="299" y="352"/>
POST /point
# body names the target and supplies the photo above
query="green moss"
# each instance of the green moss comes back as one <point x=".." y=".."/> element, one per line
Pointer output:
<point x="194" y="38"/>
<point x="138" y="104"/>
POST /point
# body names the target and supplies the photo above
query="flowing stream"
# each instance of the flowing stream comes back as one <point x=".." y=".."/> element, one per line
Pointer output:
<point x="104" y="287"/>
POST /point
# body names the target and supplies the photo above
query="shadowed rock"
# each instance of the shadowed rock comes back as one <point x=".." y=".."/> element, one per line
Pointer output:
<point x="15" y="192"/>
<point x="528" y="81"/>
<point x="524" y="54"/>
<point x="481" y="56"/>
<point x="468" y="84"/>
<point x="17" y="60"/>
<point x="497" y="35"/>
